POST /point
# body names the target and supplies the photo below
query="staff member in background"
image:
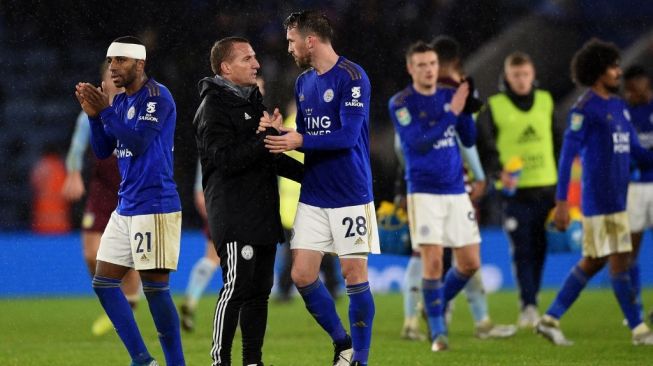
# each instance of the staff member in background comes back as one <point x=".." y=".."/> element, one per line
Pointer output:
<point x="519" y="124"/>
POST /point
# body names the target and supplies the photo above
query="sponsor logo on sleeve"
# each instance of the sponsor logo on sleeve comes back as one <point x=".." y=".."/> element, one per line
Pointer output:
<point x="151" y="107"/>
<point x="356" y="92"/>
<point x="576" y="121"/>
<point x="403" y="116"/>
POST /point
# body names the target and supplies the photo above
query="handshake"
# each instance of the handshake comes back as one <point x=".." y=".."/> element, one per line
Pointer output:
<point x="285" y="139"/>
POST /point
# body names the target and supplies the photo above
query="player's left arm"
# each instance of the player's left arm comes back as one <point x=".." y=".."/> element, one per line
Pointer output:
<point x="290" y="168"/>
<point x="148" y="125"/>
<point x="353" y="106"/>
<point x="466" y="129"/>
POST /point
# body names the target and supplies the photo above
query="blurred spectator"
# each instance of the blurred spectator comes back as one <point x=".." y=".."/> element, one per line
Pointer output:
<point x="50" y="210"/>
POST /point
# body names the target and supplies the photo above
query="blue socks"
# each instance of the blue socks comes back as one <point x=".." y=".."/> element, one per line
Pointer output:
<point x="454" y="281"/>
<point x="117" y="308"/>
<point x="433" y="292"/>
<point x="627" y="298"/>
<point x="361" y="316"/>
<point x="636" y="280"/>
<point x="320" y="305"/>
<point x="573" y="285"/>
<point x="166" y="320"/>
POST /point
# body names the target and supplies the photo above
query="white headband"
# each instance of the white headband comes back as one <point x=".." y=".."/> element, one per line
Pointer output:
<point x="131" y="50"/>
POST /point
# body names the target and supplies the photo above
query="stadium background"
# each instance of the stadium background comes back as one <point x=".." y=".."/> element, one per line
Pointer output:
<point x="48" y="46"/>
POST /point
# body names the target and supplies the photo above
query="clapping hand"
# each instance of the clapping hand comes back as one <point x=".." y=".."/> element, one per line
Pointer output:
<point x="92" y="99"/>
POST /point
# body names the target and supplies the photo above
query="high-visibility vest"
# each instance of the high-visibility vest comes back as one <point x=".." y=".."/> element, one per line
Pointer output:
<point x="527" y="135"/>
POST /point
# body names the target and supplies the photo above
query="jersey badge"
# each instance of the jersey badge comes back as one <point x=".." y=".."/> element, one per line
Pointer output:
<point x="328" y="95"/>
<point x="247" y="116"/>
<point x="131" y="112"/>
<point x="627" y="115"/>
<point x="403" y="116"/>
<point x="247" y="252"/>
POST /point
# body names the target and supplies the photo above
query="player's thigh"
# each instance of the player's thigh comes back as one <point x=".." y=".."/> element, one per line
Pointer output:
<point x="461" y="228"/>
<point x="155" y="241"/>
<point x="311" y="230"/>
<point x="426" y="217"/>
<point x="115" y="244"/>
<point x="604" y="235"/>
<point x="354" y="229"/>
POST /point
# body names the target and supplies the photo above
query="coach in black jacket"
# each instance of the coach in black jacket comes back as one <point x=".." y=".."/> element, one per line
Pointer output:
<point x="242" y="196"/>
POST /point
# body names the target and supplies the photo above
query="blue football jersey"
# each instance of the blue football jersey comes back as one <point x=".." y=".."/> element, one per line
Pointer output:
<point x="427" y="131"/>
<point x="333" y="117"/>
<point x="599" y="130"/>
<point x="642" y="119"/>
<point x="147" y="185"/>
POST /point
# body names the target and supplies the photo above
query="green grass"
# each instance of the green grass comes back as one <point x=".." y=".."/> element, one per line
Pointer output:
<point x="57" y="332"/>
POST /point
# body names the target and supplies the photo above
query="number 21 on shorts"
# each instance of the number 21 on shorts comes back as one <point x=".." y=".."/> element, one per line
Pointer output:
<point x="143" y="242"/>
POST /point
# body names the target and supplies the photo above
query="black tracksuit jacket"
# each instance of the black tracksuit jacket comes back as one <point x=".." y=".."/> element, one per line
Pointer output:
<point x="239" y="174"/>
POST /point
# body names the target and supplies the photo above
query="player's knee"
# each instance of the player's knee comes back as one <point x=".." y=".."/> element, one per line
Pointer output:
<point x="300" y="277"/>
<point x="468" y="268"/>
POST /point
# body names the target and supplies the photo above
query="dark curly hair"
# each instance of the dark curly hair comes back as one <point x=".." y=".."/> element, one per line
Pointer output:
<point x="592" y="60"/>
<point x="310" y="21"/>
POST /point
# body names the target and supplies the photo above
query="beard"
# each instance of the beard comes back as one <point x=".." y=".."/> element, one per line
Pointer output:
<point x="303" y="62"/>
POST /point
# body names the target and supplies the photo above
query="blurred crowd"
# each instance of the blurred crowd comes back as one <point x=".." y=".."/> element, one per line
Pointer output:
<point x="48" y="46"/>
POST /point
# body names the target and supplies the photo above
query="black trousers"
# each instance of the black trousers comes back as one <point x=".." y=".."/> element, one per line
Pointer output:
<point x="524" y="222"/>
<point x="247" y="275"/>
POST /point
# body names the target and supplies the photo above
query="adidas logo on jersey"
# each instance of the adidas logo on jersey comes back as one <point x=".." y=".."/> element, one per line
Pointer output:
<point x="528" y="135"/>
<point x="247" y="116"/>
<point x="359" y="241"/>
<point x="144" y="258"/>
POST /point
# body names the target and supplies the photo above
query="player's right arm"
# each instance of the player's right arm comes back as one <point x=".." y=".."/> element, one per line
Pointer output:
<point x="571" y="146"/>
<point x="102" y="142"/>
<point x="73" y="187"/>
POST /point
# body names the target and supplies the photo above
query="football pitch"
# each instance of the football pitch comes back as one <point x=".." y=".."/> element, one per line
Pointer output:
<point x="56" y="331"/>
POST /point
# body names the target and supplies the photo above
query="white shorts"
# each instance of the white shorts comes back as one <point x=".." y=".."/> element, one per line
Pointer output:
<point x="350" y="230"/>
<point x="640" y="206"/>
<point x="142" y="242"/>
<point x="442" y="219"/>
<point x="606" y="234"/>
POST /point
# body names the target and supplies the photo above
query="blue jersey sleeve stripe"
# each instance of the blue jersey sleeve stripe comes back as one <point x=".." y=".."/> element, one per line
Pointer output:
<point x="351" y="75"/>
<point x="353" y="68"/>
